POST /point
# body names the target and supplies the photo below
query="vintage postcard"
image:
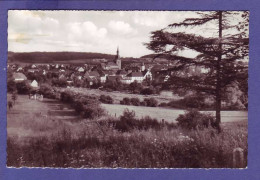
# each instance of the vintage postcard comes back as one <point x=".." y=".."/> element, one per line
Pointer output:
<point x="95" y="92"/>
<point x="127" y="89"/>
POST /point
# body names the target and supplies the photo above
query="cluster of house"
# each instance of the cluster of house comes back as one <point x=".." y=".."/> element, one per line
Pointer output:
<point x="102" y="72"/>
<point x="18" y="77"/>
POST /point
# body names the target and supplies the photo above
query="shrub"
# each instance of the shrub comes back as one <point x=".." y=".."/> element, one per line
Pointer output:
<point x="60" y="82"/>
<point x="125" y="101"/>
<point x="151" y="102"/>
<point x="127" y="115"/>
<point x="127" y="121"/>
<point x="92" y="112"/>
<point x="23" y="87"/>
<point x="11" y="86"/>
<point x="135" y="101"/>
<point x="163" y="104"/>
<point x="143" y="103"/>
<point x="47" y="91"/>
<point x="88" y="106"/>
<point x="194" y="120"/>
<point x="66" y="96"/>
<point x="148" y="91"/>
<point x="106" y="99"/>
<point x="135" y="87"/>
<point x="190" y="102"/>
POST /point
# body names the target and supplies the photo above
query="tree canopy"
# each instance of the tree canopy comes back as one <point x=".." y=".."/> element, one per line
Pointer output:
<point x="222" y="55"/>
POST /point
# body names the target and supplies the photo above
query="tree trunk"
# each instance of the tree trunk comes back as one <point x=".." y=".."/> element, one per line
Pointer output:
<point x="218" y="83"/>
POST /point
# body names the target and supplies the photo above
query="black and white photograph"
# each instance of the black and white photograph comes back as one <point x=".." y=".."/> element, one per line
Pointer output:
<point x="127" y="89"/>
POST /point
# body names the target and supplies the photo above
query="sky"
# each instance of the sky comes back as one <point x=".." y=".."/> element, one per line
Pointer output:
<point x="93" y="31"/>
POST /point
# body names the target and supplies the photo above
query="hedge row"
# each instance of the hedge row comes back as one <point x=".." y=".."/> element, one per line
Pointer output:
<point x="88" y="106"/>
<point x="150" y="102"/>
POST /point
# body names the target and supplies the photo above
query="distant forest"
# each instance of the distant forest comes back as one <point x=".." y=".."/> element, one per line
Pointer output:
<point x="50" y="57"/>
<point x="71" y="57"/>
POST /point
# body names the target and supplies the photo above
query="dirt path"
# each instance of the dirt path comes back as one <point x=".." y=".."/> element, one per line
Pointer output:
<point x="33" y="117"/>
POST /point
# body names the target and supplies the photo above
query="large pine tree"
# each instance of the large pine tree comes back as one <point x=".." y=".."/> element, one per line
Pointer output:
<point x="218" y="54"/>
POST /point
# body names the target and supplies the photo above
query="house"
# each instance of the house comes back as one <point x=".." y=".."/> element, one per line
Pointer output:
<point x="34" y="84"/>
<point x="19" y="69"/>
<point x="33" y="70"/>
<point x="114" y="78"/>
<point x="19" y="77"/>
<point x="126" y="80"/>
<point x="136" y="76"/>
<point x="147" y="74"/>
<point x="81" y="69"/>
<point x="93" y="74"/>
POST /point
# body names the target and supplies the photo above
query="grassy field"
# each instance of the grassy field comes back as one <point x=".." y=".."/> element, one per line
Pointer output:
<point x="118" y="96"/>
<point x="168" y="114"/>
<point x="50" y="134"/>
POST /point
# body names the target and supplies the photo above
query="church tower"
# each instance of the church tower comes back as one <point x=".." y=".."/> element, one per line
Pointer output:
<point x="117" y="60"/>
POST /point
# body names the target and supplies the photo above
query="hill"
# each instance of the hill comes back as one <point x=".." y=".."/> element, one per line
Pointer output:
<point x="73" y="58"/>
<point x="56" y="57"/>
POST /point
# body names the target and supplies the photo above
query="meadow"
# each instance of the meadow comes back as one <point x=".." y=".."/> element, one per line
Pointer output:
<point x="118" y="96"/>
<point x="49" y="133"/>
<point x="169" y="114"/>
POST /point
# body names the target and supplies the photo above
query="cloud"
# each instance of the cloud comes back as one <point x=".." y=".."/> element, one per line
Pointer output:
<point x="121" y="27"/>
<point x="85" y="31"/>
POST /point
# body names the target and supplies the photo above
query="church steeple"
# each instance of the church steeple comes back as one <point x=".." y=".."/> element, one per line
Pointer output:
<point x="117" y="53"/>
<point x="117" y="59"/>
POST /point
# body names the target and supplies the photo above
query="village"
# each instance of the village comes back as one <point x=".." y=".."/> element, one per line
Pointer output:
<point x="88" y="75"/>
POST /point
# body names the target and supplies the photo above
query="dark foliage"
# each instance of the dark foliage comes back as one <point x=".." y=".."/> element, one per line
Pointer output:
<point x="151" y="102"/>
<point x="106" y="99"/>
<point x="148" y="91"/>
<point x="195" y="120"/>
<point x="47" y="91"/>
<point x="23" y="87"/>
<point x="135" y="101"/>
<point x="128" y="122"/>
<point x="218" y="54"/>
<point x="11" y="85"/>
<point x="126" y="101"/>
<point x="59" y="82"/>
<point x="88" y="106"/>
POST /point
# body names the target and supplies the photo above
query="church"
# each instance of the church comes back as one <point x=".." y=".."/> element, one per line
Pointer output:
<point x="115" y="64"/>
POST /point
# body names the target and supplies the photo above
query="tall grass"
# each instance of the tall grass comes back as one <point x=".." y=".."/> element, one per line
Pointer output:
<point x="92" y="145"/>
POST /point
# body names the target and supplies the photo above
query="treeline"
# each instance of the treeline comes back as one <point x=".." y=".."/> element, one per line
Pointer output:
<point x="70" y="57"/>
<point x="50" y="57"/>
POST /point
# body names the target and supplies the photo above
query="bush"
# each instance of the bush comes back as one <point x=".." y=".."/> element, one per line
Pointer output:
<point x="194" y="120"/>
<point x="135" y="87"/>
<point x="11" y="86"/>
<point x="190" y="102"/>
<point x="92" y="112"/>
<point x="125" y="101"/>
<point x="47" y="91"/>
<point x="106" y="99"/>
<point x="151" y="102"/>
<point x="60" y="82"/>
<point x="88" y="106"/>
<point x="135" y="101"/>
<point x="163" y="104"/>
<point x="148" y="91"/>
<point x="23" y="87"/>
